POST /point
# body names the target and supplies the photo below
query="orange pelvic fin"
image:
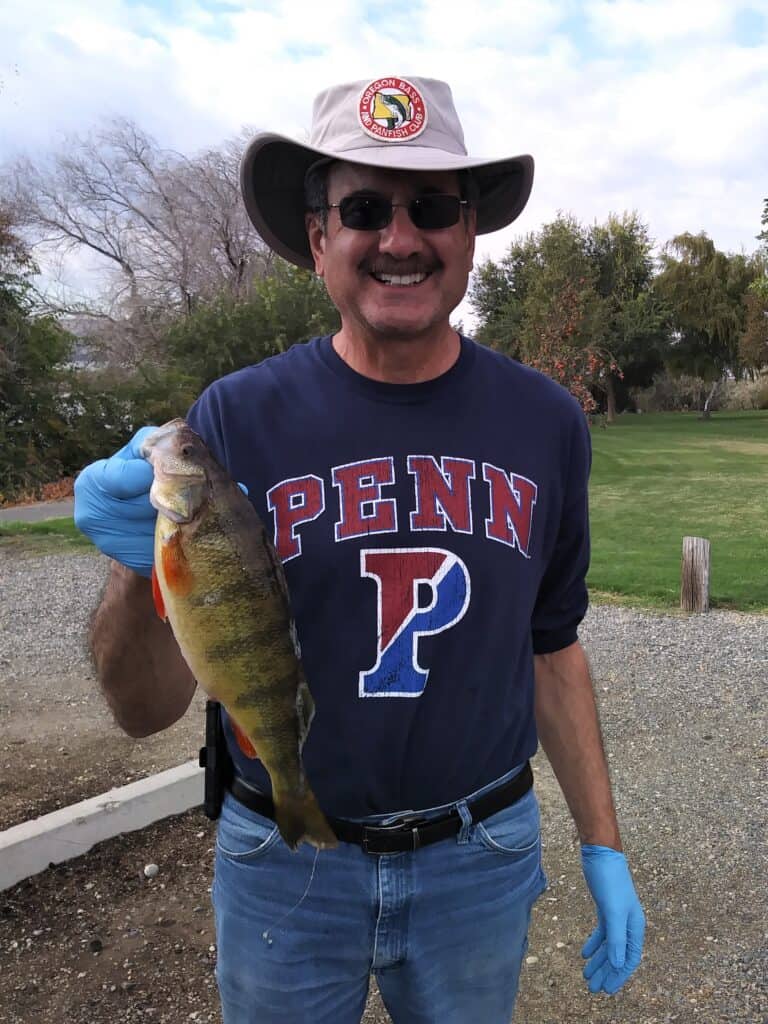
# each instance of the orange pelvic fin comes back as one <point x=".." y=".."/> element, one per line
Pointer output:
<point x="242" y="740"/>
<point x="157" y="596"/>
<point x="176" y="572"/>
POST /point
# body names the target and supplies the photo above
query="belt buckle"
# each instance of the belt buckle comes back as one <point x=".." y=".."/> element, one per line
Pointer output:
<point x="403" y="825"/>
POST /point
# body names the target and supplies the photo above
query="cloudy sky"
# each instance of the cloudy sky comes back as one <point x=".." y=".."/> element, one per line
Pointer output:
<point x="654" y="105"/>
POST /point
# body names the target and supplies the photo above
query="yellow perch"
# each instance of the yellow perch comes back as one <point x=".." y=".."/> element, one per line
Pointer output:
<point x="219" y="582"/>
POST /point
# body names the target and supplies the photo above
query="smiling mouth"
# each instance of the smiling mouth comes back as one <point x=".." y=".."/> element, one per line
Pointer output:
<point x="399" y="280"/>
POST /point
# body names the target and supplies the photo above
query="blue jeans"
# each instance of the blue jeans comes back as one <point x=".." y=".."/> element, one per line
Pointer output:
<point x="444" y="929"/>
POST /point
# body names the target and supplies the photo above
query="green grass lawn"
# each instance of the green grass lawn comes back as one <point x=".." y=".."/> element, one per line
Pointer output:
<point x="48" y="535"/>
<point x="658" y="478"/>
<point x="655" y="479"/>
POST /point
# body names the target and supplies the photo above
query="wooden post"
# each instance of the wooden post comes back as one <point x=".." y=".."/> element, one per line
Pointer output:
<point x="694" y="588"/>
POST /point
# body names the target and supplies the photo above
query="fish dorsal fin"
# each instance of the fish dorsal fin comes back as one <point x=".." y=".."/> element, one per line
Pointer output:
<point x="157" y="596"/>
<point x="305" y="707"/>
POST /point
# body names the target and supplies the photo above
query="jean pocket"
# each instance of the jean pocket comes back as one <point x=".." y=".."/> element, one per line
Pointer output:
<point x="243" y="835"/>
<point x="515" y="830"/>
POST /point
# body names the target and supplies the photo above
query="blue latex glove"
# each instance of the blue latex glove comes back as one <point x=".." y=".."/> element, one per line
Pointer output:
<point x="616" y="945"/>
<point x="112" y="506"/>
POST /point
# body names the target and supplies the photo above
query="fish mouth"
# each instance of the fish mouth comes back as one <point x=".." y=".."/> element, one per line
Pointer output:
<point x="186" y="474"/>
<point x="170" y="513"/>
<point x="178" y="498"/>
<point x="179" y="488"/>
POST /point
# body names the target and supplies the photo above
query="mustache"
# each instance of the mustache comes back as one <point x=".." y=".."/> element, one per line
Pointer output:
<point x="400" y="268"/>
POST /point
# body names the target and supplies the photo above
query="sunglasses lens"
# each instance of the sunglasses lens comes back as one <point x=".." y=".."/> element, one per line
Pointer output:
<point x="372" y="213"/>
<point x="365" y="213"/>
<point x="432" y="212"/>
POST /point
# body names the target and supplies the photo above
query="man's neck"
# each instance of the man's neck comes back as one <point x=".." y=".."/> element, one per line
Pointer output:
<point x="406" y="361"/>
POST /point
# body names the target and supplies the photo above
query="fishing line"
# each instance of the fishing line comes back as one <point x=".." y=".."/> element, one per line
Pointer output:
<point x="265" y="934"/>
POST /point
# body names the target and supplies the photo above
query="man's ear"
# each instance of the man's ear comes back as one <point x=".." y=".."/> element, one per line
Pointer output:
<point x="316" y="236"/>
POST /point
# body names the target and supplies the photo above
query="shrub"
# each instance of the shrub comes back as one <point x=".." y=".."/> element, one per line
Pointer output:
<point x="674" y="394"/>
<point x="746" y="394"/>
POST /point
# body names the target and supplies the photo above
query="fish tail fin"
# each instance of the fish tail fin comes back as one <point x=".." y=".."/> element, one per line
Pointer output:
<point x="299" y="817"/>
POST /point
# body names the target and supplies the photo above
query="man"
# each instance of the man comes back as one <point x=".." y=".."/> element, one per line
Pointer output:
<point x="428" y="498"/>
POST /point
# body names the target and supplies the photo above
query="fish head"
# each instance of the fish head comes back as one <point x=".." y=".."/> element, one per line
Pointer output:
<point x="178" y="457"/>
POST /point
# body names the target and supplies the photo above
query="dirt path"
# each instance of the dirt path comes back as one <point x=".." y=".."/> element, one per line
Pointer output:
<point x="37" y="512"/>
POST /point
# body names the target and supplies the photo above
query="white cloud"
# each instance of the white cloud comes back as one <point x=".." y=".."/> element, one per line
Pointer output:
<point x="519" y="27"/>
<point x="655" y="106"/>
<point x="653" y="22"/>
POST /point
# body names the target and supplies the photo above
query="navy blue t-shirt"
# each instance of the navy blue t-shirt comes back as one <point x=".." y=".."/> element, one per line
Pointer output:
<point x="434" y="536"/>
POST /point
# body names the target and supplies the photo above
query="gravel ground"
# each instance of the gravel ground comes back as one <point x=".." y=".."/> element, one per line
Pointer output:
<point x="683" y="706"/>
<point x="58" y="743"/>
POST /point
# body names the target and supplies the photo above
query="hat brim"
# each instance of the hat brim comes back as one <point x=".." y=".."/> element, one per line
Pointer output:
<point x="273" y="169"/>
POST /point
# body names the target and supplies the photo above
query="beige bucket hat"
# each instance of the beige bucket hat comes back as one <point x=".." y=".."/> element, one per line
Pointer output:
<point x="405" y="124"/>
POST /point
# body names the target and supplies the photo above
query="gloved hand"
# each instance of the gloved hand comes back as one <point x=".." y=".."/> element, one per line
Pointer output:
<point x="616" y="945"/>
<point x="112" y="506"/>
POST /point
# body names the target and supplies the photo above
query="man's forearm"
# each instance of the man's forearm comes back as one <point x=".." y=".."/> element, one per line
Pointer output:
<point x="145" y="680"/>
<point x="569" y="731"/>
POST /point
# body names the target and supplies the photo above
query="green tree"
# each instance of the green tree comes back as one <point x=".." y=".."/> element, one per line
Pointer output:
<point x="289" y="306"/>
<point x="763" y="236"/>
<point x="577" y="367"/>
<point x="753" y="344"/>
<point x="498" y="292"/>
<point x="55" y="417"/>
<point x="704" y="290"/>
<point x="561" y="273"/>
<point x="577" y="303"/>
<point x="515" y="298"/>
<point x="631" y="317"/>
<point x="32" y="353"/>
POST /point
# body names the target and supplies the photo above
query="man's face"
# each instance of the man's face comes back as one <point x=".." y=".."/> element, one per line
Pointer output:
<point x="358" y="266"/>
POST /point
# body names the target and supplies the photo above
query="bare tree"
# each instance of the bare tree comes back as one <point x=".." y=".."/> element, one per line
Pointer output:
<point x="226" y="255"/>
<point x="169" y="230"/>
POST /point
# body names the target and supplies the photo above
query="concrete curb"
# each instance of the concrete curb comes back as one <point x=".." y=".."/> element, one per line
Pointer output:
<point x="33" y="846"/>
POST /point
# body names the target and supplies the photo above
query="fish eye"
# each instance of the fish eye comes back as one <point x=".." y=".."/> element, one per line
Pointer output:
<point x="188" y="449"/>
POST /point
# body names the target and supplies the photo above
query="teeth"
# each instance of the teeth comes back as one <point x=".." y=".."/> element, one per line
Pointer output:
<point x="403" y="279"/>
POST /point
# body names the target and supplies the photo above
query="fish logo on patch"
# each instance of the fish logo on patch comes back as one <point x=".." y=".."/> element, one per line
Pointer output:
<point x="392" y="110"/>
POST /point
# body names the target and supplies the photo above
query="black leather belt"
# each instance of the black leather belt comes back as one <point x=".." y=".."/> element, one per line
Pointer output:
<point x="405" y="833"/>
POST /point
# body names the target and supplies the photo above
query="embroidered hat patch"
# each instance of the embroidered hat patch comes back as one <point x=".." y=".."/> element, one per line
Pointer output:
<point x="392" y="110"/>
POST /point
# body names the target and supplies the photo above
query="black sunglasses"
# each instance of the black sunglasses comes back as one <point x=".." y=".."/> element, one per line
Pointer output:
<point x="373" y="212"/>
